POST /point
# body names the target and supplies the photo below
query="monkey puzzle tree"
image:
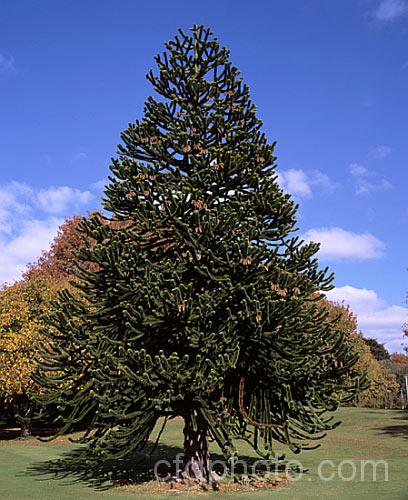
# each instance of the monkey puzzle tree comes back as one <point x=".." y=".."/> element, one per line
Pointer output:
<point x="201" y="303"/>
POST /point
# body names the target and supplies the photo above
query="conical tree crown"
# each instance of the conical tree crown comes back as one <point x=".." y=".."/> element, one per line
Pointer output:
<point x="202" y="299"/>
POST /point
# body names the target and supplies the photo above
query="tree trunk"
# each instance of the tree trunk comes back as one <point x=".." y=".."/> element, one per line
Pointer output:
<point x="196" y="454"/>
<point x="26" y="429"/>
<point x="23" y="407"/>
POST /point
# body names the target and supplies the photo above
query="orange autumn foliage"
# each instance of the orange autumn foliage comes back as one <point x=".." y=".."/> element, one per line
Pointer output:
<point x="399" y="359"/>
<point x="383" y="386"/>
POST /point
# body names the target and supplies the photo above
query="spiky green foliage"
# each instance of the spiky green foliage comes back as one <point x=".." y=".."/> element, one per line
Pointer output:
<point x="196" y="298"/>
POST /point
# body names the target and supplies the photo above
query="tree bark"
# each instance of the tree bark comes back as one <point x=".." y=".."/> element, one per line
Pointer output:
<point x="196" y="454"/>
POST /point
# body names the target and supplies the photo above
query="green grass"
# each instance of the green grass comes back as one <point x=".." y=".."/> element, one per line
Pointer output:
<point x="30" y="469"/>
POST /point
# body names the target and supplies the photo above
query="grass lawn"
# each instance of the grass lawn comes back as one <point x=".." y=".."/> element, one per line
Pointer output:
<point x="30" y="469"/>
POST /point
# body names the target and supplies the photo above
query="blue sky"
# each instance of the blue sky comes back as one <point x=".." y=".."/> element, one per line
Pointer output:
<point x="330" y="81"/>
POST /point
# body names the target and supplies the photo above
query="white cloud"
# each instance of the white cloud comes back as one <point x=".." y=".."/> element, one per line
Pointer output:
<point x="301" y="183"/>
<point x="296" y="182"/>
<point x="338" y="244"/>
<point x="29" y="220"/>
<point x="381" y="151"/>
<point x="33" y="237"/>
<point x="7" y="65"/>
<point x="376" y="318"/>
<point x="367" y="181"/>
<point x="390" y="10"/>
<point x="357" y="298"/>
<point x="321" y="180"/>
<point x="358" y="170"/>
<point x="58" y="200"/>
<point x="11" y="204"/>
<point x="23" y="199"/>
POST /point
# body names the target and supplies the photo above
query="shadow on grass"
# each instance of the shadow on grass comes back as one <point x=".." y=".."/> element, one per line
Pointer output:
<point x="399" y="429"/>
<point x="380" y="411"/>
<point x="81" y="466"/>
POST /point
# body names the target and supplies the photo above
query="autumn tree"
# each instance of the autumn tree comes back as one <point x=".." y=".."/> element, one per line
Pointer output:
<point x="202" y="304"/>
<point x="398" y="364"/>
<point x="23" y="306"/>
<point x="58" y="262"/>
<point x="381" y="390"/>
<point x="399" y="359"/>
